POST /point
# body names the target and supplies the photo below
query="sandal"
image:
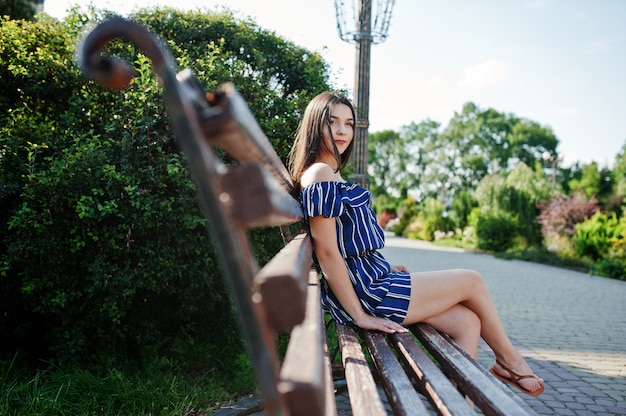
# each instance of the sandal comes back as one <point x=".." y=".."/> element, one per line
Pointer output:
<point x="515" y="378"/>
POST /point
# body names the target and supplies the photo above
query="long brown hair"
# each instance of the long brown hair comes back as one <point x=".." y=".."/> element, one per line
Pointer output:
<point x="310" y="134"/>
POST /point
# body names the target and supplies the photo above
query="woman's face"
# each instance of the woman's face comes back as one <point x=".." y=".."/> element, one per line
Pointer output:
<point x="342" y="127"/>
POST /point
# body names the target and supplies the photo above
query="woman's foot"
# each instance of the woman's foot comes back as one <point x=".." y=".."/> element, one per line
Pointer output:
<point x="519" y="376"/>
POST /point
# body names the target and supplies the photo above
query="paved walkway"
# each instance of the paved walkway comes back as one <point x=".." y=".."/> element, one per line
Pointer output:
<point x="570" y="326"/>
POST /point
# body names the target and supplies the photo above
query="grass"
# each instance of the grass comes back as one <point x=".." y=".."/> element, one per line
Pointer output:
<point x="452" y="242"/>
<point x="543" y="256"/>
<point x="161" y="388"/>
<point x="534" y="254"/>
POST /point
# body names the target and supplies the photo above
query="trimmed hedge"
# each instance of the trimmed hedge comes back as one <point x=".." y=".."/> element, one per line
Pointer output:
<point x="103" y="248"/>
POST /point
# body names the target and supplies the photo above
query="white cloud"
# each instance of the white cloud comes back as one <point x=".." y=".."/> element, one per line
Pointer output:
<point x="484" y="75"/>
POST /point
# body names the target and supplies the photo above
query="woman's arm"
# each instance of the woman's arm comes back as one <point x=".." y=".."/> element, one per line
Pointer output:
<point x="324" y="234"/>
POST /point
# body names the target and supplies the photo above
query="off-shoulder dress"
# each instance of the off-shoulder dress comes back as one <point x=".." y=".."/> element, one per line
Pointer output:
<point x="382" y="292"/>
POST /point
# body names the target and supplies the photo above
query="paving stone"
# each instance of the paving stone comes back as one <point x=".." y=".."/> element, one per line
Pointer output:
<point x="567" y="399"/>
<point x="554" y="404"/>
<point x="565" y="412"/>
<point x="585" y="412"/>
<point x="575" y="405"/>
<point x="567" y="390"/>
<point x="596" y="408"/>
<point x="604" y="402"/>
<point x="585" y="400"/>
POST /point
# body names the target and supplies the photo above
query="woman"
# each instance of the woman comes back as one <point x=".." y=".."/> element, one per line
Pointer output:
<point x="359" y="286"/>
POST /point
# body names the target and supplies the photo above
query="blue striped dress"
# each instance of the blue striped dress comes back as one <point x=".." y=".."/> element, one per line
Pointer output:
<point x="381" y="292"/>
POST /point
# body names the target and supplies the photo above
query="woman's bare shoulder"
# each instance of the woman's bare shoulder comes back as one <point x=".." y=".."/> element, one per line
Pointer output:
<point x="317" y="172"/>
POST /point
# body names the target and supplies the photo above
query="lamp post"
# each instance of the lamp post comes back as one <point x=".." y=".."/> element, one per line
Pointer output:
<point x="551" y="160"/>
<point x="363" y="33"/>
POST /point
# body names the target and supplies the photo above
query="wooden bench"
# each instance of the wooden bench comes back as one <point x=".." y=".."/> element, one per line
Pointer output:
<point x="284" y="295"/>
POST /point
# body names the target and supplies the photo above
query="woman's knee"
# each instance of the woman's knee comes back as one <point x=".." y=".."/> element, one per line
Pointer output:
<point x="467" y="321"/>
<point x="459" y="322"/>
<point x="474" y="280"/>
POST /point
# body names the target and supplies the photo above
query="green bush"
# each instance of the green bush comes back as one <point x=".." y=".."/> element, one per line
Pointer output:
<point x="407" y="212"/>
<point x="462" y="205"/>
<point x="516" y="194"/>
<point x="432" y="212"/>
<point x="495" y="232"/>
<point x="617" y="254"/>
<point x="593" y="236"/>
<point x="420" y="221"/>
<point x="103" y="246"/>
<point x="610" y="267"/>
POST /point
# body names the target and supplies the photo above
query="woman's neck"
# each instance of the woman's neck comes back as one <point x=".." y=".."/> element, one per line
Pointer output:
<point x="329" y="160"/>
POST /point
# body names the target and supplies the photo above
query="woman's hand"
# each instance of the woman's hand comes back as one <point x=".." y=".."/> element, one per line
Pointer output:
<point x="399" y="268"/>
<point x="380" y="324"/>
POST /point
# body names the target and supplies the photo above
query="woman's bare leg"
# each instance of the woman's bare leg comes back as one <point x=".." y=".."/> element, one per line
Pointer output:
<point x="462" y="325"/>
<point x="433" y="293"/>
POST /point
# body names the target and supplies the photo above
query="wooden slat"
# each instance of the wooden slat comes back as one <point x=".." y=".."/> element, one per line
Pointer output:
<point x="230" y="125"/>
<point x="402" y="396"/>
<point x="432" y="382"/>
<point x="364" y="398"/>
<point x="305" y="375"/>
<point x="507" y="390"/>
<point x="331" y="403"/>
<point x="473" y="380"/>
<point x="282" y="284"/>
<point x="255" y="199"/>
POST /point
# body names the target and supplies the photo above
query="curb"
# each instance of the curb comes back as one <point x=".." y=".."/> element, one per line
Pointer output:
<point x="243" y="407"/>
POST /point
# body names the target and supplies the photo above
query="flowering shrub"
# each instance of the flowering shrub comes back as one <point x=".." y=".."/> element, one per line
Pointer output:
<point x="558" y="218"/>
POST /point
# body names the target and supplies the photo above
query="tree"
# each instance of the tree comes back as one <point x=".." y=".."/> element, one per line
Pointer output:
<point x="103" y="248"/>
<point x="20" y="9"/>
<point x="399" y="161"/>
<point x="619" y="172"/>
<point x="474" y="144"/>
<point x="529" y="141"/>
<point x="380" y="148"/>
<point x="525" y="189"/>
<point x="479" y="142"/>
<point x="593" y="181"/>
<point x="462" y="206"/>
<point x="423" y="162"/>
<point x="515" y="196"/>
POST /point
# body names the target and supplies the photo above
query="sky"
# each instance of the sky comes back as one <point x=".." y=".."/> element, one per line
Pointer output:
<point x="560" y="63"/>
